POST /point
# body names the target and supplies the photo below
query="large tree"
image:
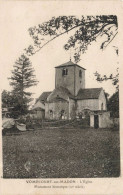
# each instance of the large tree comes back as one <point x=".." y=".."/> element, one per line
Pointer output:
<point x="86" y="30"/>
<point x="11" y="101"/>
<point x="113" y="104"/>
<point x="6" y="99"/>
<point x="22" y="78"/>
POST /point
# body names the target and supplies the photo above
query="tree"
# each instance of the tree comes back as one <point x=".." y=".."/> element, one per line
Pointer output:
<point x="113" y="104"/>
<point x="6" y="99"/>
<point x="22" y="78"/>
<point x="10" y="101"/>
<point x="85" y="31"/>
<point x="114" y="78"/>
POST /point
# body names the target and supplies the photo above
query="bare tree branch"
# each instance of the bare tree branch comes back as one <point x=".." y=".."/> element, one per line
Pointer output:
<point x="111" y="40"/>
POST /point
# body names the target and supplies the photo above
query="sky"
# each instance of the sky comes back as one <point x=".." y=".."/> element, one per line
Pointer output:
<point x="15" y="21"/>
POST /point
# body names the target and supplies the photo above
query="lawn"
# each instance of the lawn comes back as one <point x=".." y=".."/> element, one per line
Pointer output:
<point x="62" y="153"/>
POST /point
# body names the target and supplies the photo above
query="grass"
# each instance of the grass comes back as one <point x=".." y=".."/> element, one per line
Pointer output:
<point x="62" y="153"/>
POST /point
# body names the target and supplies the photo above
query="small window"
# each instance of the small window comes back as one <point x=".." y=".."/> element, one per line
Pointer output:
<point x="62" y="114"/>
<point x="51" y="114"/>
<point x="102" y="106"/>
<point x="62" y="111"/>
<point x="64" y="72"/>
<point x="80" y="73"/>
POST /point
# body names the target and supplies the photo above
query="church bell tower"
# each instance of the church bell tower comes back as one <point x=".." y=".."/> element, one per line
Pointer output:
<point x="70" y="76"/>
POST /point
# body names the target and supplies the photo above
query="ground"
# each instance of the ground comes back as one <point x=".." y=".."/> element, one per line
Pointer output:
<point x="62" y="153"/>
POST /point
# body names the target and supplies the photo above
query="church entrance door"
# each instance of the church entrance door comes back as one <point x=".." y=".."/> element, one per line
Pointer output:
<point x="96" y="121"/>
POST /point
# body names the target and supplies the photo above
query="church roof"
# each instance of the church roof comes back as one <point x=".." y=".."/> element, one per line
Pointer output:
<point x="37" y="109"/>
<point x="59" y="93"/>
<point x="65" y="90"/>
<point x="70" y="63"/>
<point x="57" y="99"/>
<point x="43" y="97"/>
<point x="88" y="93"/>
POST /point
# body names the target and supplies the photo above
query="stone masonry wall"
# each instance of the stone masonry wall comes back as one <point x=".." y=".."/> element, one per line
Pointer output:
<point x="66" y="81"/>
<point x="79" y="81"/>
<point x="57" y="108"/>
<point x="92" y="104"/>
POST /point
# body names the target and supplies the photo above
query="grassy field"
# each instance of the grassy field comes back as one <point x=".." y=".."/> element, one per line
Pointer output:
<point x="62" y="153"/>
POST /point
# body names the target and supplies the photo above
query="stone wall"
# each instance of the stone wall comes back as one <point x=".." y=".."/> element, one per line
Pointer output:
<point x="66" y="81"/>
<point x="57" y="110"/>
<point x="92" y="104"/>
<point x="72" y="109"/>
<point x="79" y="81"/>
<point x="105" y="121"/>
<point x="38" y="114"/>
<point x="91" y="120"/>
<point x="102" y="100"/>
<point x="72" y="81"/>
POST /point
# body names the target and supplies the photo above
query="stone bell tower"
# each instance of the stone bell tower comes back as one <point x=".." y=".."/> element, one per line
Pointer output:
<point x="70" y="76"/>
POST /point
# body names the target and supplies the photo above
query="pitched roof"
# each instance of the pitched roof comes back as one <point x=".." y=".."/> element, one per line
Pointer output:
<point x="88" y="93"/>
<point x="43" y="97"/>
<point x="59" y="92"/>
<point x="37" y="109"/>
<point x="65" y="90"/>
<point x="70" y="63"/>
<point x="57" y="99"/>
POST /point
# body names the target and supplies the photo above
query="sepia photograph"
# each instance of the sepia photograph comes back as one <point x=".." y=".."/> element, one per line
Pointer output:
<point x="60" y="95"/>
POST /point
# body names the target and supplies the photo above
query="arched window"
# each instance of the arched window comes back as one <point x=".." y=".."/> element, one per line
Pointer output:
<point x="80" y="73"/>
<point x="102" y="106"/>
<point x="62" y="114"/>
<point x="64" y="72"/>
<point x="51" y="114"/>
<point x="50" y="111"/>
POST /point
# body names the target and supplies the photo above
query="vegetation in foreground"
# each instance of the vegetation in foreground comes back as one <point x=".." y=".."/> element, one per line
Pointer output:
<point x="62" y="153"/>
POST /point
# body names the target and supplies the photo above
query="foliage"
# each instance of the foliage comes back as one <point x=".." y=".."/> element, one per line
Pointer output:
<point x="113" y="104"/>
<point x="22" y="78"/>
<point x="11" y="101"/>
<point x="6" y="99"/>
<point x="114" y="78"/>
<point x="86" y="30"/>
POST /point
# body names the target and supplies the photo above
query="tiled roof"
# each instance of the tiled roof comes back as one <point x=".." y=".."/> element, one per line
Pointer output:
<point x="59" y="92"/>
<point x="92" y="93"/>
<point x="65" y="90"/>
<point x="83" y="94"/>
<point x="70" y="63"/>
<point x="57" y="99"/>
<point x="37" y="109"/>
<point x="43" y="97"/>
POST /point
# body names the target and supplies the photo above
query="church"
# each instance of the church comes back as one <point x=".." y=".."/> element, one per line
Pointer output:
<point x="70" y="99"/>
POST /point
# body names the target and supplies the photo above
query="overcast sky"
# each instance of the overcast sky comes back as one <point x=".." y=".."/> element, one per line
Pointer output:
<point x="15" y="20"/>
